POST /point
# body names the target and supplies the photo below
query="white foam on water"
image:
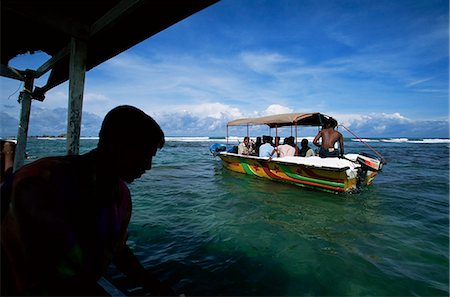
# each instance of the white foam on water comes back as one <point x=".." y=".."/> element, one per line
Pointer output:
<point x="396" y="140"/>
<point x="431" y="140"/>
<point x="365" y="140"/>
<point x="419" y="141"/>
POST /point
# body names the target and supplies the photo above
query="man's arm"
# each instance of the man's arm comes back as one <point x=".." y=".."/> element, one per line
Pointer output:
<point x="251" y="148"/>
<point x="341" y="144"/>
<point x="316" y="139"/>
<point x="127" y="263"/>
<point x="240" y="149"/>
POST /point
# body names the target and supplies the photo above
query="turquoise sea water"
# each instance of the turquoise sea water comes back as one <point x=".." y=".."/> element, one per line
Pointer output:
<point x="209" y="231"/>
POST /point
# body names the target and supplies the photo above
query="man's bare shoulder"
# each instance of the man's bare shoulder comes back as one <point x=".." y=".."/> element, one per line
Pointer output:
<point x="49" y="168"/>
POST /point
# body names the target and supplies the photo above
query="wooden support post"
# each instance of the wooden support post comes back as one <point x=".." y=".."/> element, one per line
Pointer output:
<point x="77" y="73"/>
<point x="276" y="135"/>
<point x="22" y="133"/>
<point x="227" y="134"/>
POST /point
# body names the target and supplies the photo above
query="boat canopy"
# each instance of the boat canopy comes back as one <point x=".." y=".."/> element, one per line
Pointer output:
<point x="287" y="119"/>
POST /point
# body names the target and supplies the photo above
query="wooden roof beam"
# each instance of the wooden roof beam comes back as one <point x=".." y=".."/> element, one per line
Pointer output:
<point x="123" y="8"/>
<point x="56" y="22"/>
<point x="48" y="65"/>
<point x="11" y="72"/>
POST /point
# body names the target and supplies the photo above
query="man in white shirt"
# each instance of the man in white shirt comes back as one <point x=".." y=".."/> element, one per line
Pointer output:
<point x="244" y="148"/>
<point x="285" y="150"/>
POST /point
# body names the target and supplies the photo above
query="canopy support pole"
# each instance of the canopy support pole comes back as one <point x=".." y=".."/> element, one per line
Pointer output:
<point x="77" y="74"/>
<point x="22" y="133"/>
<point x="227" y="134"/>
<point x="276" y="135"/>
<point x="296" y="140"/>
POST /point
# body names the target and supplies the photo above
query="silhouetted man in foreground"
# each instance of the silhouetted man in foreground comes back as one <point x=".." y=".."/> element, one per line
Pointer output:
<point x="68" y="216"/>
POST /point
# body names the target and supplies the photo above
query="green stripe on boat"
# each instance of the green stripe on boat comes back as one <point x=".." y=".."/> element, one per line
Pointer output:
<point x="247" y="168"/>
<point x="318" y="181"/>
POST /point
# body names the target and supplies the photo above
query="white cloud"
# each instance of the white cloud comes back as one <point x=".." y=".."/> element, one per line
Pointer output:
<point x="262" y="63"/>
<point x="215" y="110"/>
<point x="209" y="119"/>
<point x="277" y="109"/>
<point x="380" y="128"/>
<point x="392" y="125"/>
<point x="96" y="97"/>
<point x="417" y="82"/>
<point x="395" y="116"/>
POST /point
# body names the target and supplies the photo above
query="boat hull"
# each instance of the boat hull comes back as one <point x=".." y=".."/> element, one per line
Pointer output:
<point x="335" y="180"/>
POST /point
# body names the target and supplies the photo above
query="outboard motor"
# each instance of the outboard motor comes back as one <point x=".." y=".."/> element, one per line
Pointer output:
<point x="361" y="178"/>
<point x="369" y="162"/>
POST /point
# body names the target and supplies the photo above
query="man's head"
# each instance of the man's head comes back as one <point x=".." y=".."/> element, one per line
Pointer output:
<point x="304" y="143"/>
<point x="330" y="123"/>
<point x="333" y="123"/>
<point x="290" y="140"/>
<point x="246" y="140"/>
<point x="131" y="138"/>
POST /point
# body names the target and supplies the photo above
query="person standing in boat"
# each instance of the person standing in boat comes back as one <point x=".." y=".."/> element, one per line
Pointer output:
<point x="245" y="148"/>
<point x="68" y="216"/>
<point x="329" y="138"/>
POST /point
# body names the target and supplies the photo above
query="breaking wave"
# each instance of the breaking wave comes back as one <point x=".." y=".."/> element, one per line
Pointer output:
<point x="407" y="140"/>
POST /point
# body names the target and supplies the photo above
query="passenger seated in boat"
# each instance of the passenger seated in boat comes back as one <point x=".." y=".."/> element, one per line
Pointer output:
<point x="245" y="148"/>
<point x="291" y="142"/>
<point x="305" y="151"/>
<point x="266" y="149"/>
<point x="284" y="150"/>
<point x="256" y="146"/>
<point x="329" y="138"/>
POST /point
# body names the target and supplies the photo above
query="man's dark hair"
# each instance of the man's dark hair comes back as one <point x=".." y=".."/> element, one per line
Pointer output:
<point x="128" y="122"/>
<point x="332" y="123"/>
<point x="304" y="142"/>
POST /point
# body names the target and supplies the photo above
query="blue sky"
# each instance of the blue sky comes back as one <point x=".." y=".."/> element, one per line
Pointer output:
<point x="381" y="68"/>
